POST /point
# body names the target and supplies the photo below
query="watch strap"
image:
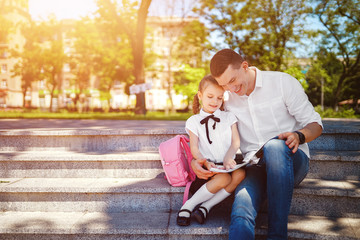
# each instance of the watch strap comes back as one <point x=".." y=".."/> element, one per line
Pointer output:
<point x="301" y="137"/>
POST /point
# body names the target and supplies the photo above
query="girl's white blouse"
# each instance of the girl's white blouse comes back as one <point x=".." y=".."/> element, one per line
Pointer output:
<point x="220" y="136"/>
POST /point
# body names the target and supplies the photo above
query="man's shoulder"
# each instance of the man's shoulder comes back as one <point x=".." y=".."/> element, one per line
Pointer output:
<point x="275" y="75"/>
<point x="276" y="78"/>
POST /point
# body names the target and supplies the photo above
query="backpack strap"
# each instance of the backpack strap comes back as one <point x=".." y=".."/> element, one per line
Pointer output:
<point x="184" y="142"/>
<point x="186" y="192"/>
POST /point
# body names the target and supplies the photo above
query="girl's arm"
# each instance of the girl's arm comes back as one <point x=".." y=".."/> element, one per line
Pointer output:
<point x="194" y="147"/>
<point x="229" y="161"/>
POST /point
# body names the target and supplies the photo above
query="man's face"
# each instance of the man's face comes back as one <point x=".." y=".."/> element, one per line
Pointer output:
<point x="235" y="80"/>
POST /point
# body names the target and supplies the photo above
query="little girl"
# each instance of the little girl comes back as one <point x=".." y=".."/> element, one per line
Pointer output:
<point x="213" y="136"/>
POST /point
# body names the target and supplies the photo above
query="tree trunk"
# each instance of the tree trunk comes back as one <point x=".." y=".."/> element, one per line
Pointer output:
<point x="170" y="84"/>
<point x="24" y="95"/>
<point x="338" y="90"/>
<point x="52" y="92"/>
<point x="138" y="54"/>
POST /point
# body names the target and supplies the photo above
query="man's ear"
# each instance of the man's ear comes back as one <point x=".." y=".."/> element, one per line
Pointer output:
<point x="245" y="65"/>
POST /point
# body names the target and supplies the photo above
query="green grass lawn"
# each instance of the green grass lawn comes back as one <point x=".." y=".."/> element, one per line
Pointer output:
<point x="151" y="115"/>
<point x="95" y="115"/>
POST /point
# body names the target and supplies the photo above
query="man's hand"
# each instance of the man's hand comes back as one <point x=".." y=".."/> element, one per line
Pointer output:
<point x="291" y="140"/>
<point x="310" y="131"/>
<point x="197" y="166"/>
<point x="208" y="165"/>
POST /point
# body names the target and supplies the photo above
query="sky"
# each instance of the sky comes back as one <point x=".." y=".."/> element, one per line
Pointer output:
<point x="62" y="9"/>
<point x="75" y="9"/>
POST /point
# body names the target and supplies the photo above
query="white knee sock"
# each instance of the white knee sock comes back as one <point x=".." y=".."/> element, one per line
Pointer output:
<point x="217" y="198"/>
<point x="200" y="196"/>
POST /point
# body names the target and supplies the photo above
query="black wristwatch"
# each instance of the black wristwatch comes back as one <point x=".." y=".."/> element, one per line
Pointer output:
<point x="301" y="137"/>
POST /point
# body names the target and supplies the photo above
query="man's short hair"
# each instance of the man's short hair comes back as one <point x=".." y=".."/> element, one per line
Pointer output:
<point x="222" y="59"/>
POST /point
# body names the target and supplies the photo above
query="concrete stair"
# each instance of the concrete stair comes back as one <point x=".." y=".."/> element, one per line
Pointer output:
<point x="108" y="184"/>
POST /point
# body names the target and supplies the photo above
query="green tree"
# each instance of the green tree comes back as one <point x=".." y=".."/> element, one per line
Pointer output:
<point x="296" y="72"/>
<point x="264" y="31"/>
<point x="192" y="50"/>
<point x="29" y="63"/>
<point x="113" y="60"/>
<point x="187" y="81"/>
<point x="193" y="45"/>
<point x="81" y="58"/>
<point x="53" y="56"/>
<point x="342" y="37"/>
<point x="5" y="28"/>
<point x="322" y="77"/>
<point x="130" y="18"/>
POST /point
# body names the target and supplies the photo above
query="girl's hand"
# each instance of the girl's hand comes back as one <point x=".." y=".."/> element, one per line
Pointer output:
<point x="209" y="165"/>
<point x="229" y="163"/>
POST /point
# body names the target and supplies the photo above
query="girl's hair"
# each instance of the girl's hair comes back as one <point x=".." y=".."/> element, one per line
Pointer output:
<point x="204" y="83"/>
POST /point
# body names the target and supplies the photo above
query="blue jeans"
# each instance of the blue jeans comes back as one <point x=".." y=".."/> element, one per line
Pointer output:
<point x="274" y="178"/>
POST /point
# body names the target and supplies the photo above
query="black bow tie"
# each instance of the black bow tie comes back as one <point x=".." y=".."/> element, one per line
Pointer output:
<point x="206" y="121"/>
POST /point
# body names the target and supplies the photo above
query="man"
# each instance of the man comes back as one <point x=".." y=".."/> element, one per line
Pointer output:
<point x="267" y="105"/>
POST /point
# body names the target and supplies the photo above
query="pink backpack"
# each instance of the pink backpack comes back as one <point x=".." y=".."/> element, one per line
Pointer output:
<point x="176" y="159"/>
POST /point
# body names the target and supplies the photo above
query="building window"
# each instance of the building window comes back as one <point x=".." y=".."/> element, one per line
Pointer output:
<point x="67" y="68"/>
<point x="3" y="68"/>
<point x="67" y="83"/>
<point x="3" y="54"/>
<point x="4" y="83"/>
<point x="41" y="84"/>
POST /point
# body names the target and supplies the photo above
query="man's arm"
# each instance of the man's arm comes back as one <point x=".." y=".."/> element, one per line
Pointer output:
<point x="197" y="166"/>
<point x="310" y="131"/>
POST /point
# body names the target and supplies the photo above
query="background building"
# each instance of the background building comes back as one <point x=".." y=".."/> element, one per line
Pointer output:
<point x="160" y="40"/>
<point x="13" y="12"/>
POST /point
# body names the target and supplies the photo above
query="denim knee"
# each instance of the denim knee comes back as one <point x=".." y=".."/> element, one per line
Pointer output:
<point x="276" y="151"/>
<point x="275" y="145"/>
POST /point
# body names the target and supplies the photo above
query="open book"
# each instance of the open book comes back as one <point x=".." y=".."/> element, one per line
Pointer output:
<point x="221" y="168"/>
<point x="254" y="155"/>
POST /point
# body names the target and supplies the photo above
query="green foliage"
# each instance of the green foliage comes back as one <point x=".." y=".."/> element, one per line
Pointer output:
<point x="29" y="57"/>
<point x="113" y="59"/>
<point x="193" y="45"/>
<point x="81" y="59"/>
<point x="187" y="81"/>
<point x="125" y="18"/>
<point x="5" y="28"/>
<point x="104" y="95"/>
<point x="296" y="73"/>
<point x="342" y="38"/>
<point x="324" y="71"/>
<point x="341" y="113"/>
<point x="261" y="30"/>
<point x="41" y="93"/>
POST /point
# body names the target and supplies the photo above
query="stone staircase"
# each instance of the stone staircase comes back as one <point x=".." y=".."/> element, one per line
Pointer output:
<point x="90" y="183"/>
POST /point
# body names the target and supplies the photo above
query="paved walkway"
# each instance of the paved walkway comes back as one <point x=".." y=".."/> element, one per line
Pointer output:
<point x="330" y="125"/>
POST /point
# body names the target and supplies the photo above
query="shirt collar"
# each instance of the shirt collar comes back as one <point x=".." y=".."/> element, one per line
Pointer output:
<point x="258" y="79"/>
<point x="205" y="114"/>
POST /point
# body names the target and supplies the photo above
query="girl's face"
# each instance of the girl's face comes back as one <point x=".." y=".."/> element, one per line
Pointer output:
<point x="211" y="98"/>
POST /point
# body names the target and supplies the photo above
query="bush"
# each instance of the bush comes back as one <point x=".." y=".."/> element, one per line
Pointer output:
<point x="343" y="112"/>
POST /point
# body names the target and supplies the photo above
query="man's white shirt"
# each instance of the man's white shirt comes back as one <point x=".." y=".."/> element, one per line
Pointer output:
<point x="278" y="104"/>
